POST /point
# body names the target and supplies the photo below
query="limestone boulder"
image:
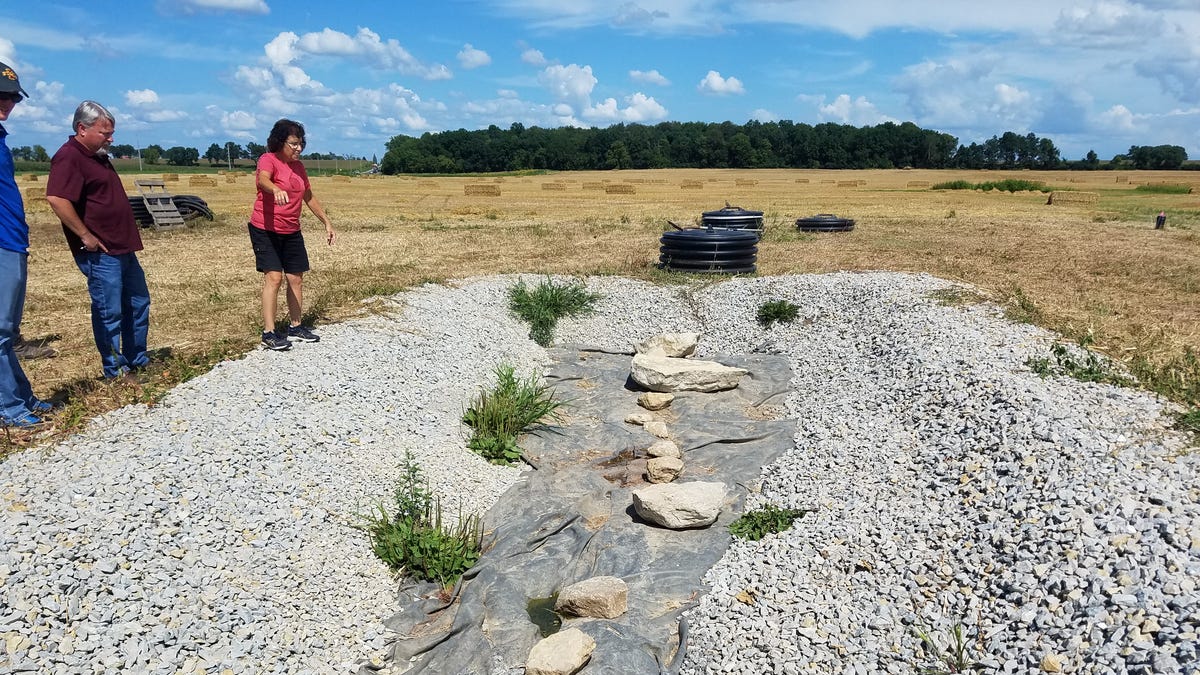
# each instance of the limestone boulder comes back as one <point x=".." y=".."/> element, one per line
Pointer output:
<point x="663" y="469"/>
<point x="669" y="344"/>
<point x="665" y="374"/>
<point x="680" y="506"/>
<point x="598" y="597"/>
<point x="664" y="448"/>
<point x="564" y="653"/>
<point x="657" y="429"/>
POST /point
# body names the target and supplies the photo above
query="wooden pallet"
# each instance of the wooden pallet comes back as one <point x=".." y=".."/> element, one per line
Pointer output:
<point x="160" y="204"/>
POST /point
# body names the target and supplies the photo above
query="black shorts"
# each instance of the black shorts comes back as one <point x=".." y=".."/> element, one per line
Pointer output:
<point x="274" y="252"/>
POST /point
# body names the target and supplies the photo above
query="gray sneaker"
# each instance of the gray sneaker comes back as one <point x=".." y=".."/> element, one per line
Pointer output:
<point x="275" y="343"/>
<point x="27" y="350"/>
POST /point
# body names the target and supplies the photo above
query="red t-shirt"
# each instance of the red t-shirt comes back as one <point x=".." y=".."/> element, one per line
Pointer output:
<point x="292" y="179"/>
<point x="92" y="185"/>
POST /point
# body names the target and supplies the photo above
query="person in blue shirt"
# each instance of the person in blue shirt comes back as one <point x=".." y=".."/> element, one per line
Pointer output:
<point x="18" y="406"/>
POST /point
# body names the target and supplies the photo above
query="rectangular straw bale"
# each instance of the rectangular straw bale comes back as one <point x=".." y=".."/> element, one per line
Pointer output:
<point x="593" y="186"/>
<point x="828" y="181"/>
<point x="341" y="179"/>
<point x="745" y="182"/>
<point x="918" y="183"/>
<point x="554" y="186"/>
<point x="31" y="178"/>
<point x="1073" y="197"/>
<point x="620" y="189"/>
<point x="202" y="179"/>
<point x="847" y="183"/>
<point x="482" y="190"/>
<point x="801" y="180"/>
<point x="35" y="193"/>
<point x="231" y="178"/>
<point x="429" y="184"/>
<point x="1122" y="179"/>
<point x="170" y="177"/>
<point x="691" y="185"/>
<point x="658" y="181"/>
<point x="637" y="181"/>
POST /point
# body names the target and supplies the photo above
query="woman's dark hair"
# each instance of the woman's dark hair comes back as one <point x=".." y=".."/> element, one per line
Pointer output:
<point x="280" y="132"/>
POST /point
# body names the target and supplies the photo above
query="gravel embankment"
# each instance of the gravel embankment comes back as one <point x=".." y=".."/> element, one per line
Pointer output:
<point x="1057" y="520"/>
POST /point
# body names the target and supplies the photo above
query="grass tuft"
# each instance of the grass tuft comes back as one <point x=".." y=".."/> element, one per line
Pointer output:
<point x="1088" y="367"/>
<point x="950" y="659"/>
<point x="543" y="305"/>
<point x="776" y="310"/>
<point x="1165" y="189"/>
<point x="770" y="519"/>
<point x="414" y="540"/>
<point x="499" y="415"/>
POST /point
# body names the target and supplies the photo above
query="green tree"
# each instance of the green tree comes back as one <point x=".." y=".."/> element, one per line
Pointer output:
<point x="254" y="150"/>
<point x="39" y="154"/>
<point x="214" y="154"/>
<point x="152" y="153"/>
<point x="123" y="150"/>
<point x="618" y="156"/>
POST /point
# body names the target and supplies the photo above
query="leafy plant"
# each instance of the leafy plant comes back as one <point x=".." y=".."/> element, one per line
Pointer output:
<point x="499" y="415"/>
<point x="414" y="540"/>
<point x="543" y="305"/>
<point x="956" y="296"/>
<point x="776" y="310"/>
<point x="1021" y="308"/>
<point x="1007" y="185"/>
<point x="1089" y="368"/>
<point x="770" y="519"/>
<point x="953" y="659"/>
<point x="1165" y="189"/>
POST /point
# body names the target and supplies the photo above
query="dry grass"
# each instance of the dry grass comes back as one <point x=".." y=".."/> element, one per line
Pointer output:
<point x="1087" y="267"/>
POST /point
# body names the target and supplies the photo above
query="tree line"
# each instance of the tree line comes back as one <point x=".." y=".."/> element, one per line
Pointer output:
<point x="782" y="144"/>
<point x="176" y="155"/>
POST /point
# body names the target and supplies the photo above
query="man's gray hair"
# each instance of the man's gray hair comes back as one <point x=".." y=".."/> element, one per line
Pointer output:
<point x="88" y="112"/>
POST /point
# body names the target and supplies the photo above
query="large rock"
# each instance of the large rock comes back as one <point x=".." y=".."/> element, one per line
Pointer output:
<point x="663" y="469"/>
<point x="665" y="374"/>
<point x="679" y="506"/>
<point x="563" y="653"/>
<point x="669" y="344"/>
<point x="598" y="597"/>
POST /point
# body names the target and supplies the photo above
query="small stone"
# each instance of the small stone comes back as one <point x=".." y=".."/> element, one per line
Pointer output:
<point x="663" y="469"/>
<point x="657" y="428"/>
<point x="664" y="448"/>
<point x="1051" y="663"/>
<point x="654" y="400"/>
<point x="563" y="653"/>
<point x="604" y="597"/>
<point x="639" y="418"/>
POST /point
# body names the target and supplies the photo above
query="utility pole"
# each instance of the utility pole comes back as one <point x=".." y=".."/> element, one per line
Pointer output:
<point x="228" y="156"/>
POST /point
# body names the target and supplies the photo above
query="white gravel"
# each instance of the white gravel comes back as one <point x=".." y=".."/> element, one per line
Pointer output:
<point x="1054" y="519"/>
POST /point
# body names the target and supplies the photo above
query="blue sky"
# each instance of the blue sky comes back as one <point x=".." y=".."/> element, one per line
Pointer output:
<point x="1091" y="75"/>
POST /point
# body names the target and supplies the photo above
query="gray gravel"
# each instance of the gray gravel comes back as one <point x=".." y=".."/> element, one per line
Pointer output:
<point x="948" y="483"/>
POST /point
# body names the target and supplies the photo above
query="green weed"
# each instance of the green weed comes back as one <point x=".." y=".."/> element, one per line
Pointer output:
<point x="956" y="296"/>
<point x="953" y="658"/>
<point x="414" y="540"/>
<point x="1165" y="189"/>
<point x="776" y="310"/>
<point x="1007" y="185"/>
<point x="1087" y="368"/>
<point x="770" y="519"/>
<point x="1022" y="309"/>
<point x="543" y="305"/>
<point x="499" y="415"/>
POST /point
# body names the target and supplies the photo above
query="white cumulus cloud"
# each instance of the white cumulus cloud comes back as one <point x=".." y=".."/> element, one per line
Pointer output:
<point x="1118" y="118"/>
<point x="640" y="108"/>
<point x="649" y="77"/>
<point x="533" y="57"/>
<point x="141" y="97"/>
<point x="238" y="6"/>
<point x="571" y="83"/>
<point x="471" y="57"/>
<point x="716" y="85"/>
<point x="859" y="111"/>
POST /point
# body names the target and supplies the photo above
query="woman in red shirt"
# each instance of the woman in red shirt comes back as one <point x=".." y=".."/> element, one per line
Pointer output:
<point x="275" y="230"/>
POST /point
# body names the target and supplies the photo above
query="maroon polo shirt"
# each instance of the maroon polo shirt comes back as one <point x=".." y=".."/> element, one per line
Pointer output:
<point x="93" y="187"/>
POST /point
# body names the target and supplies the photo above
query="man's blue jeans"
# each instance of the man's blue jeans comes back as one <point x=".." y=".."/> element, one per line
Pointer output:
<point x="16" y="397"/>
<point x="120" y="309"/>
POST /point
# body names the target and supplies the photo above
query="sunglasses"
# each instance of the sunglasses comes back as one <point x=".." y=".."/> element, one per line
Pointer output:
<point x="15" y="98"/>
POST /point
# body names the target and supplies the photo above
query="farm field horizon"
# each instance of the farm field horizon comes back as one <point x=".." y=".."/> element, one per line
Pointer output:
<point x="1092" y="265"/>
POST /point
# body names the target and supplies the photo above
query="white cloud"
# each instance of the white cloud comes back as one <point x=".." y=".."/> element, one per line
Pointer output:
<point x="649" y="77"/>
<point x="141" y="97"/>
<point x="533" y="57"/>
<point x="239" y="6"/>
<point x="762" y="115"/>
<point x="471" y="57"/>
<point x="365" y="46"/>
<point x="1117" y="118"/>
<point x="716" y="85"/>
<point x="239" y="120"/>
<point x="641" y="108"/>
<point x="858" y="112"/>
<point x="165" y="116"/>
<point x="631" y="14"/>
<point x="507" y="93"/>
<point x="571" y="83"/>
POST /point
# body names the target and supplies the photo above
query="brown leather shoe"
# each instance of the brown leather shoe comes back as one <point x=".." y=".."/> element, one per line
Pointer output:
<point x="30" y="350"/>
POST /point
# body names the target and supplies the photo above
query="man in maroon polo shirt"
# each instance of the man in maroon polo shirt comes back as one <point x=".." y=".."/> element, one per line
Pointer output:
<point x="87" y="196"/>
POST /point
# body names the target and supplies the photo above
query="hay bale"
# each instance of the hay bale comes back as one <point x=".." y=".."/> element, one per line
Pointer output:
<point x="170" y="177"/>
<point x="847" y="183"/>
<point x="35" y="193"/>
<point x="1073" y="197"/>
<point x="554" y="186"/>
<point x="593" y="186"/>
<point x="231" y="178"/>
<point x="802" y="180"/>
<point x="428" y="184"/>
<point x="341" y="179"/>
<point x="481" y="190"/>
<point x="828" y="181"/>
<point x="918" y="183"/>
<point x="658" y="181"/>
<point x="202" y="179"/>
<point x="31" y="178"/>
<point x="620" y="189"/>
<point x="1122" y="179"/>
<point x="691" y="185"/>
<point x="745" y="182"/>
